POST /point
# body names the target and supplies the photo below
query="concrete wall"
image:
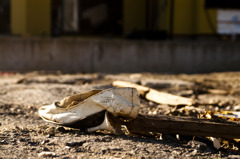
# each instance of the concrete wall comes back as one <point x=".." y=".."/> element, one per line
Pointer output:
<point x="99" y="55"/>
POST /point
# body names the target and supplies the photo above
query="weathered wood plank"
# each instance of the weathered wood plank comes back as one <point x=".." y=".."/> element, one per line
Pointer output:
<point x="141" y="89"/>
<point x="167" y="98"/>
<point x="183" y="126"/>
<point x="155" y="95"/>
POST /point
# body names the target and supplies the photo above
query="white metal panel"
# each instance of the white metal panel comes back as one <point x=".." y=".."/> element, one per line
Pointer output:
<point x="228" y="21"/>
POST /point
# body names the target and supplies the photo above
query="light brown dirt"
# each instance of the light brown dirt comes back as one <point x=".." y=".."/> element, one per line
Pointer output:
<point x="23" y="134"/>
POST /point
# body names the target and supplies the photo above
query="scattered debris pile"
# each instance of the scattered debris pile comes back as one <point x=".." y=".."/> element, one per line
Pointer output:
<point x="174" y="116"/>
<point x="114" y="108"/>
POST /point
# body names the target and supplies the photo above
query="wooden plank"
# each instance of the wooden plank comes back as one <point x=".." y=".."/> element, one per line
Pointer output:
<point x="155" y="95"/>
<point x="218" y="91"/>
<point x="166" y="98"/>
<point x="141" y="89"/>
<point x="183" y="126"/>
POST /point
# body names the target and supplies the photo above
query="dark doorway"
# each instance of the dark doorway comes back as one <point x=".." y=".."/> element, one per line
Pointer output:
<point x="4" y="16"/>
<point x="87" y="17"/>
<point x="56" y="17"/>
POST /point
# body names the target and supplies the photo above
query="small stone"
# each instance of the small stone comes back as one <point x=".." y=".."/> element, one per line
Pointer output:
<point x="50" y="131"/>
<point x="33" y="149"/>
<point x="67" y="147"/>
<point x="61" y="129"/>
<point x="19" y="111"/>
<point x="39" y="131"/>
<point x="216" y="142"/>
<point x="197" y="145"/>
<point x="3" y="142"/>
<point x="49" y="136"/>
<point x="175" y="153"/>
<point x="72" y="144"/>
<point x="107" y="139"/>
<point x="45" y="149"/>
<point x="47" y="154"/>
<point x="234" y="156"/>
<point x="44" y="141"/>
<point x="236" y="108"/>
<point x="22" y="140"/>
<point x="31" y="143"/>
<point x="103" y="151"/>
<point x="193" y="153"/>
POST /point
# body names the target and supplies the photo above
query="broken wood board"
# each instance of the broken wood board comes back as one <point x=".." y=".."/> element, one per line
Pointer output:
<point x="166" y="83"/>
<point x="155" y="95"/>
<point x="218" y="91"/>
<point x="183" y="126"/>
<point x="141" y="89"/>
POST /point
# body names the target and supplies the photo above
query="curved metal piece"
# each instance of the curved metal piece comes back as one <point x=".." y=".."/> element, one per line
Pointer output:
<point x="81" y="110"/>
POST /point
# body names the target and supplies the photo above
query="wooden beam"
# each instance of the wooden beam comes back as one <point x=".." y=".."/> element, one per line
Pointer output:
<point x="183" y="126"/>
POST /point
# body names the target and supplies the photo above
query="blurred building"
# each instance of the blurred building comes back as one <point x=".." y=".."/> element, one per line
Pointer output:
<point x="149" y="19"/>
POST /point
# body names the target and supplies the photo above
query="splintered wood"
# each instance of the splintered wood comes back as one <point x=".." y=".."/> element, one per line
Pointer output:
<point x="184" y="126"/>
<point x="145" y="125"/>
<point x="155" y="95"/>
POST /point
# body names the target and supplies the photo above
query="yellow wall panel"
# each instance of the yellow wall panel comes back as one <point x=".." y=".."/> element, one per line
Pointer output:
<point x="202" y="25"/>
<point x="18" y="16"/>
<point x="183" y="16"/>
<point x="38" y="17"/>
<point x="190" y="18"/>
<point x="30" y="17"/>
<point x="163" y="15"/>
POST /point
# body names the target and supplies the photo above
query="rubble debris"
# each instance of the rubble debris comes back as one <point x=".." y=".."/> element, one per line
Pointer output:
<point x="19" y="102"/>
<point x="197" y="145"/>
<point x="233" y="156"/>
<point x="186" y="111"/>
<point x="47" y="154"/>
<point x="230" y="115"/>
<point x="216" y="142"/>
<point x="102" y="110"/>
<point x="193" y="153"/>
<point x="218" y="91"/>
<point x="73" y="144"/>
<point x="236" y="108"/>
<point x="155" y="95"/>
<point x="166" y="83"/>
<point x="221" y="115"/>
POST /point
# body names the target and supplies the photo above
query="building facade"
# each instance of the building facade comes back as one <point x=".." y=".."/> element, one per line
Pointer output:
<point x="153" y="19"/>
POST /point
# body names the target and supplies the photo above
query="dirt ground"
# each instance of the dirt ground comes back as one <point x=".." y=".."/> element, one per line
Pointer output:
<point x="23" y="134"/>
